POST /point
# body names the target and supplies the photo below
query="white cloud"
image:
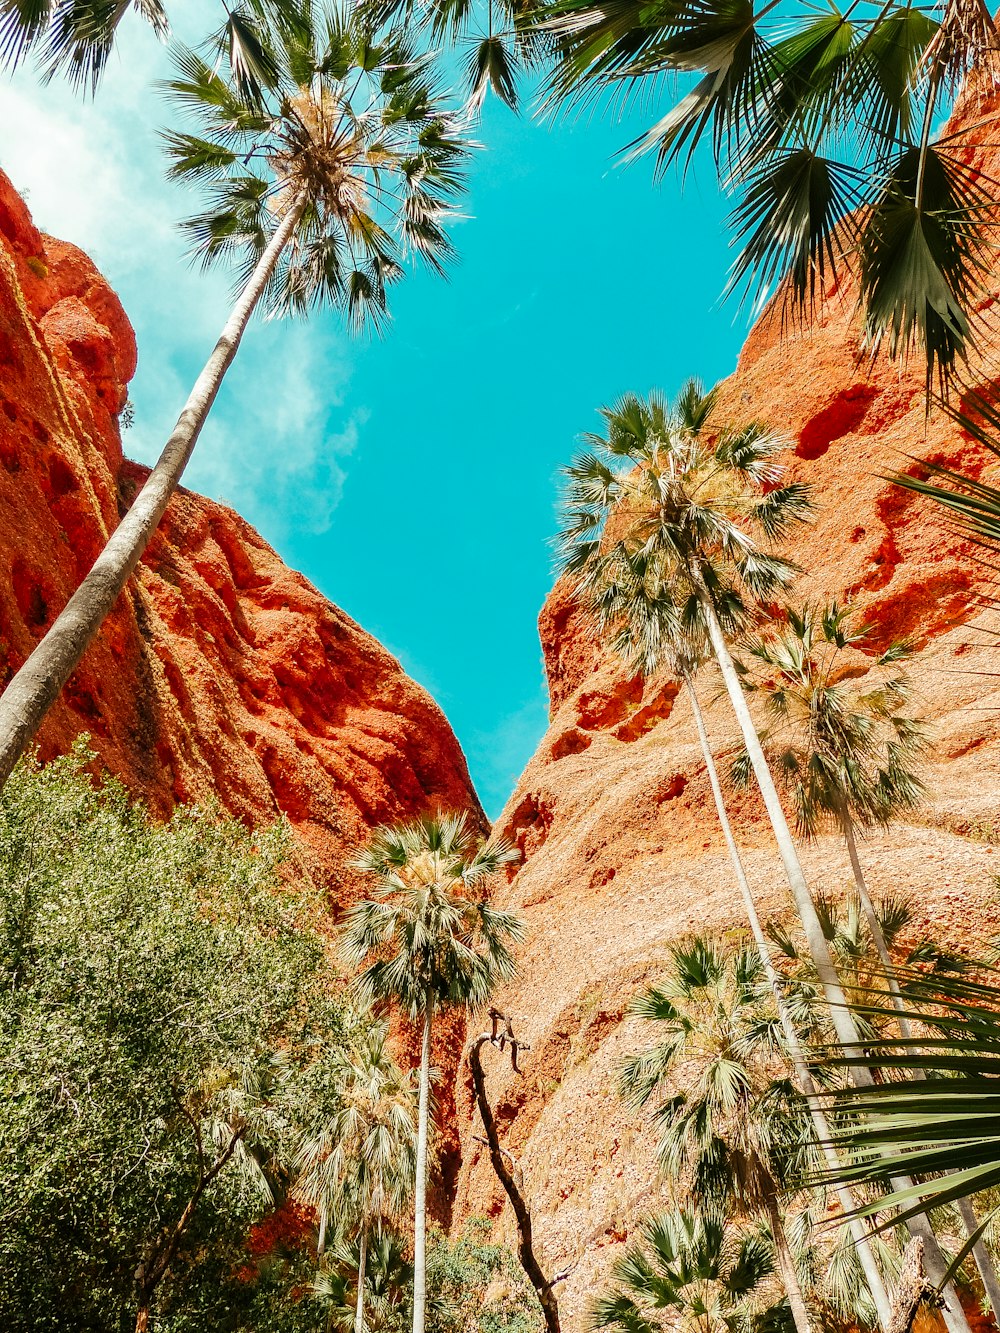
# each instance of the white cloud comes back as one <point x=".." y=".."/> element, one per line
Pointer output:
<point x="92" y="172"/>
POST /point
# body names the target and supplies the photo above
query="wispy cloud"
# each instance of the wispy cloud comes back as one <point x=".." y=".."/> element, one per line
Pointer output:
<point x="92" y="172"/>
<point x="498" y="756"/>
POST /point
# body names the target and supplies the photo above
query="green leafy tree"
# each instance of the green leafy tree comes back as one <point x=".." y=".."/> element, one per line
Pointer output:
<point x="318" y="192"/>
<point x="426" y="945"/>
<point x="159" y="998"/>
<point x="687" y="1272"/>
<point x="824" y="123"/>
<point x="358" y="1162"/>
<point x="478" y="1285"/>
<point x="705" y="514"/>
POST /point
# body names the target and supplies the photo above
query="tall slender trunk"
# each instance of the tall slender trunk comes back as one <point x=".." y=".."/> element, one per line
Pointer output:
<point x="843" y="1021"/>
<point x="874" y="925"/>
<point x="786" y="1263"/>
<point x="966" y="1210"/>
<point x="37" y="685"/>
<point x="142" y="1317"/>
<point x="420" y="1184"/>
<point x="866" y="1257"/>
<point x="359" y="1312"/>
<point x="321" y="1239"/>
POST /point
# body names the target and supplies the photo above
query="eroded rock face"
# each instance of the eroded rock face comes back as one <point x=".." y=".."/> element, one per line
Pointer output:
<point x="614" y="813"/>
<point x="221" y="672"/>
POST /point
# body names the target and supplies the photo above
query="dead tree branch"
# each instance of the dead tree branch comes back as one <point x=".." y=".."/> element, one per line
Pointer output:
<point x="502" y="1036"/>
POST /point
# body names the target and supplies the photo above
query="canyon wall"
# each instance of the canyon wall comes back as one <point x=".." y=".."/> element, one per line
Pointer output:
<point x="614" y="815"/>
<point x="221" y="673"/>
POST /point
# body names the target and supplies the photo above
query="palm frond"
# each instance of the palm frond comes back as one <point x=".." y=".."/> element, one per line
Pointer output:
<point x="492" y="63"/>
<point x="922" y="265"/>
<point x="936" y="1115"/>
<point x="796" y="219"/>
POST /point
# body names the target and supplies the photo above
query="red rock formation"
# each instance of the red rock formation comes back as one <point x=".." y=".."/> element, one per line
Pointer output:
<point x="614" y="815"/>
<point x="221" y="673"/>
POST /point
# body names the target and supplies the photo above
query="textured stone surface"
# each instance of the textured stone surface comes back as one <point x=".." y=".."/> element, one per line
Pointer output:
<point x="221" y="672"/>
<point x="614" y="813"/>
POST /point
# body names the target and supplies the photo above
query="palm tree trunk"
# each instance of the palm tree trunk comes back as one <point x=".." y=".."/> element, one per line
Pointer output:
<point x="786" y="1264"/>
<point x="866" y="1257"/>
<point x="874" y="925"/>
<point x="359" y="1313"/>
<point x="843" y="1022"/>
<point x="321" y="1239"/>
<point x="966" y="1210"/>
<point x="38" y="683"/>
<point x="420" y="1184"/>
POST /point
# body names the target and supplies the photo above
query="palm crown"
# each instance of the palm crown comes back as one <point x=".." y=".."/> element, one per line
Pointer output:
<point x="722" y="1134"/>
<point x="656" y="513"/>
<point x="361" y="1158"/>
<point x="687" y="1272"/>
<point x="352" y="133"/>
<point x="421" y="937"/>
<point x="842" y="744"/>
<point x="820" y="120"/>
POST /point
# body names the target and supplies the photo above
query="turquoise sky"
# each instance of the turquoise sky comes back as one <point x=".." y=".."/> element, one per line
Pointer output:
<point x="413" y="479"/>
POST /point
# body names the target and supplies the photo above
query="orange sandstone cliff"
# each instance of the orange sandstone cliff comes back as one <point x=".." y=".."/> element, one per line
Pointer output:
<point x="614" y="816"/>
<point x="221" y="672"/>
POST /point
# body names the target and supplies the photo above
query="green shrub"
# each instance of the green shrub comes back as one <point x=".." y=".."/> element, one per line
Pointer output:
<point x="161" y="993"/>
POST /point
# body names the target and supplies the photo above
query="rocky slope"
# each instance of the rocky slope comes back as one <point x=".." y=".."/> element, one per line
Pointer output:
<point x="613" y="814"/>
<point x="221" y="673"/>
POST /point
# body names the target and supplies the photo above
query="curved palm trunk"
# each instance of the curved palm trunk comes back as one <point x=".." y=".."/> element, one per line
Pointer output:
<point x="420" y="1184"/>
<point x="38" y="683"/>
<point x="786" y="1263"/>
<point x="843" y="1022"/>
<point x="982" y="1256"/>
<point x="359" y="1312"/>
<point x="866" y="1257"/>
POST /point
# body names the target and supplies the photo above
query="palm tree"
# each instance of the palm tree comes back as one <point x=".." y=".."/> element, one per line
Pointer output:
<point x="360" y="1160"/>
<point x="845" y="749"/>
<point x="723" y="1135"/>
<point x="387" y="1281"/>
<point x="843" y="746"/>
<point x="426" y="945"/>
<point x="704" y="516"/>
<point x="703" y="1273"/>
<point x="350" y="164"/>
<point x="823" y="123"/>
<point x="76" y="39"/>
<point x="637" y="617"/>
